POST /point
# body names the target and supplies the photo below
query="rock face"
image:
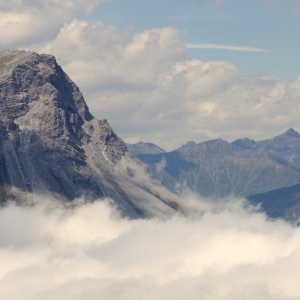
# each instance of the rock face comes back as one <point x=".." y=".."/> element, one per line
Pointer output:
<point x="50" y="144"/>
<point x="144" y="148"/>
<point x="218" y="168"/>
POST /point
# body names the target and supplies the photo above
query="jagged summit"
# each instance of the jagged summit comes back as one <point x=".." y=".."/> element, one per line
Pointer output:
<point x="50" y="144"/>
<point x="292" y="133"/>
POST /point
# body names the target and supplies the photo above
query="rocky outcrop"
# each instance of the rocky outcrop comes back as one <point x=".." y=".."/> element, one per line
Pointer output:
<point x="50" y="144"/>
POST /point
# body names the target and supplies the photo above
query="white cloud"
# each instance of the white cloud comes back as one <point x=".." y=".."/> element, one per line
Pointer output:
<point x="144" y="84"/>
<point x="146" y="87"/>
<point x="26" y="22"/>
<point x="160" y="166"/>
<point x="224" y="47"/>
<point x="226" y="252"/>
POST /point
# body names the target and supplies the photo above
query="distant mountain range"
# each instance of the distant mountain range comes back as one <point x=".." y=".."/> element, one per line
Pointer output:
<point x="286" y="145"/>
<point x="241" y="168"/>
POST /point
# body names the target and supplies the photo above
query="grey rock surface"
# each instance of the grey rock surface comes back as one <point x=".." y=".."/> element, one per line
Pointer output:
<point x="144" y="148"/>
<point x="51" y="145"/>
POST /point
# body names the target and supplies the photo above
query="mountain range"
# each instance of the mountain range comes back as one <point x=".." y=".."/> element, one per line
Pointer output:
<point x="265" y="172"/>
<point x="218" y="168"/>
<point x="286" y="145"/>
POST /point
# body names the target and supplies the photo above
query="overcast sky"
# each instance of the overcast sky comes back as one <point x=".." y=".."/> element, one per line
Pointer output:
<point x="172" y="71"/>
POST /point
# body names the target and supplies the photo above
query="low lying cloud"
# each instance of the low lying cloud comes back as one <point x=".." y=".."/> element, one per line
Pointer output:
<point x="225" y="251"/>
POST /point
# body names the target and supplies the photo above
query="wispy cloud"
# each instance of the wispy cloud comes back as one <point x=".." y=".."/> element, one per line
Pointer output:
<point x="224" y="47"/>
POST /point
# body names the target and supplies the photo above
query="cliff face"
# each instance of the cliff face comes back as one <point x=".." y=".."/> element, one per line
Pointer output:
<point x="50" y="144"/>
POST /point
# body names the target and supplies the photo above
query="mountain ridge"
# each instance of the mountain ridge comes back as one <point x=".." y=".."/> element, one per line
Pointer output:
<point x="218" y="168"/>
<point x="285" y="145"/>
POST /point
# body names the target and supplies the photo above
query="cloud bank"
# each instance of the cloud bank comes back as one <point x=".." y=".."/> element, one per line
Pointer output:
<point x="148" y="89"/>
<point x="225" y="252"/>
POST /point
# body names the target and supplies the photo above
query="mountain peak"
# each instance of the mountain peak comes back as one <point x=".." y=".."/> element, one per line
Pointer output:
<point x="144" y="148"/>
<point x="51" y="145"/>
<point x="245" y="143"/>
<point x="189" y="144"/>
<point x="292" y="133"/>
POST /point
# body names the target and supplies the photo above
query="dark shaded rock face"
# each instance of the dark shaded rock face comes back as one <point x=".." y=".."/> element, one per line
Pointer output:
<point x="280" y="203"/>
<point x="50" y="144"/>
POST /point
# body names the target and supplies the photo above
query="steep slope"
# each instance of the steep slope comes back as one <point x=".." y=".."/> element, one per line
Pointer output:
<point x="286" y="145"/>
<point x="50" y="144"/>
<point x="144" y="148"/>
<point x="284" y="202"/>
<point x="218" y="168"/>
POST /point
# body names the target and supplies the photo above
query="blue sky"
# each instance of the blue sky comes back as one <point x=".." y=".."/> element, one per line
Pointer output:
<point x="259" y="24"/>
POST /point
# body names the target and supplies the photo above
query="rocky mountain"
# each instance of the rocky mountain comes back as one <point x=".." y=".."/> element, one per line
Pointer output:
<point x="286" y="145"/>
<point x="144" y="148"/>
<point x="218" y="168"/>
<point x="51" y="145"/>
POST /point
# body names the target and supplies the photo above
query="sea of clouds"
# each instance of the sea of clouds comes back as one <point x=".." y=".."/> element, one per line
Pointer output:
<point x="222" y="250"/>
